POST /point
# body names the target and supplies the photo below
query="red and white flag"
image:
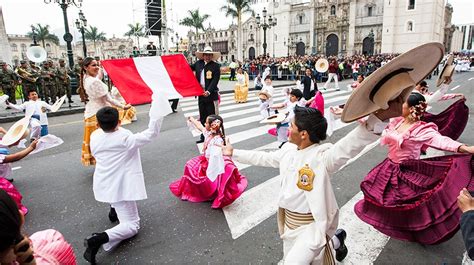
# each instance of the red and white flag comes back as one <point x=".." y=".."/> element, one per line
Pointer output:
<point x="138" y="78"/>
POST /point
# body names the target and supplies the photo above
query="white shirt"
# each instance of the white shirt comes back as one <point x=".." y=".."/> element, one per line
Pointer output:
<point x="34" y="108"/>
<point x="99" y="96"/>
<point x="118" y="174"/>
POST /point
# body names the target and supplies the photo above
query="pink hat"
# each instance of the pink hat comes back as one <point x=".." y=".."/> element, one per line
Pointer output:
<point x="51" y="248"/>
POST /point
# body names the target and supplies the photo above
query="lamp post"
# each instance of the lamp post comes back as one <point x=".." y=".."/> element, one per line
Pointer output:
<point x="177" y="41"/>
<point x="64" y="4"/>
<point x="289" y="42"/>
<point x="265" y="25"/>
<point x="33" y="30"/>
<point x="81" y="24"/>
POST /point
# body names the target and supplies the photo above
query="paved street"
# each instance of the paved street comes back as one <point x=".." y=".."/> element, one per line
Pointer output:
<point x="57" y="189"/>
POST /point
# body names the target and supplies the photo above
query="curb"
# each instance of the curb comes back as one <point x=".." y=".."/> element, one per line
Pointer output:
<point x="253" y="88"/>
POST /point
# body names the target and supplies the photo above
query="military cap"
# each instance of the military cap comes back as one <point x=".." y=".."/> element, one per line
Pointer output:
<point x="22" y="62"/>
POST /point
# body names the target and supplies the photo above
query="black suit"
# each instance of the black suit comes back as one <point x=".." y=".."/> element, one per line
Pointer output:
<point x="467" y="229"/>
<point x="212" y="74"/>
<point x="307" y="93"/>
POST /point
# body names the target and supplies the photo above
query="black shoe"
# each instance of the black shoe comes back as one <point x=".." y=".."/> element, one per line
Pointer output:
<point x="423" y="153"/>
<point x="200" y="141"/>
<point x="174" y="110"/>
<point x="92" y="244"/>
<point x="341" y="252"/>
<point x="10" y="179"/>
<point x="113" y="215"/>
<point x="70" y="101"/>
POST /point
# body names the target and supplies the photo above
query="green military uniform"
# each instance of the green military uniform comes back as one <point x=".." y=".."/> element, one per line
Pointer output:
<point x="49" y="83"/>
<point x="55" y="89"/>
<point x="28" y="81"/>
<point x="36" y="72"/>
<point x="8" y="80"/>
<point x="64" y="84"/>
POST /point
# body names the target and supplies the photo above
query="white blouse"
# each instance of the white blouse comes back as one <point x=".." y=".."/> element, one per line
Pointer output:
<point x="99" y="96"/>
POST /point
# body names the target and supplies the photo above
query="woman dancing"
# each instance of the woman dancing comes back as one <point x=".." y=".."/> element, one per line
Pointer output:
<point x="241" y="89"/>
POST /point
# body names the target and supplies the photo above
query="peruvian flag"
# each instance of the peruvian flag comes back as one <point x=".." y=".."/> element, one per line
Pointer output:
<point x="138" y="78"/>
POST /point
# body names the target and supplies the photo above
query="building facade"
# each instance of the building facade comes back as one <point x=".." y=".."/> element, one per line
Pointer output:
<point x="467" y="37"/>
<point x="19" y="45"/>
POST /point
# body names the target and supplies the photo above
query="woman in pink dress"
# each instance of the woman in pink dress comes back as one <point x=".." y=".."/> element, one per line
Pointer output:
<point x="412" y="199"/>
<point x="210" y="176"/>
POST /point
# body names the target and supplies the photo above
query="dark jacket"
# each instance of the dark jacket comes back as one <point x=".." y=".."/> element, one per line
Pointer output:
<point x="307" y="93"/>
<point x="212" y="74"/>
<point x="467" y="229"/>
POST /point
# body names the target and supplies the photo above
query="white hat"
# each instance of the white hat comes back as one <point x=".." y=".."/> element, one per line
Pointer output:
<point x="58" y="104"/>
<point x="208" y="50"/>
<point x="447" y="72"/>
<point x="18" y="131"/>
<point x="277" y="118"/>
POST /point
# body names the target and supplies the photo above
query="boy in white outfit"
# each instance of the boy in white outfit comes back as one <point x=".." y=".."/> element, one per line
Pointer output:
<point x="118" y="176"/>
<point x="36" y="108"/>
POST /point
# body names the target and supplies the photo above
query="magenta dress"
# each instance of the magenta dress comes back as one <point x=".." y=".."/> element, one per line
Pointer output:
<point x="5" y="172"/>
<point x="195" y="186"/>
<point x="452" y="121"/>
<point x="411" y="199"/>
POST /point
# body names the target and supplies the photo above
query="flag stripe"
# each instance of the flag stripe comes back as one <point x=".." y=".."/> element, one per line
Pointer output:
<point x="153" y="72"/>
<point x="180" y="74"/>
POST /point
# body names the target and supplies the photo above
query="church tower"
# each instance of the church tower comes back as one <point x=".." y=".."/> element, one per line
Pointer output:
<point x="5" y="50"/>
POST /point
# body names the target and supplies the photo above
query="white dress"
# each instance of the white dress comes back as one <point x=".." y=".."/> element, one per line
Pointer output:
<point x="99" y="96"/>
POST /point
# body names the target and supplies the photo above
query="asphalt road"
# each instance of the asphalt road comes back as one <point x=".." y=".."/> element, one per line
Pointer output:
<point x="57" y="189"/>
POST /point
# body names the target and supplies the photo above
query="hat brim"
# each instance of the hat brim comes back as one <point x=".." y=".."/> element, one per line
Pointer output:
<point x="277" y="118"/>
<point x="447" y="72"/>
<point x="422" y="59"/>
<point x="16" y="132"/>
<point x="57" y="105"/>
<point x="215" y="55"/>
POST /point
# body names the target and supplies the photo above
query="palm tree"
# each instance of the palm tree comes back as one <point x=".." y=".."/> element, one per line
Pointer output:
<point x="195" y="20"/>
<point x="135" y="30"/>
<point x="93" y="34"/>
<point x="235" y="9"/>
<point x="42" y="34"/>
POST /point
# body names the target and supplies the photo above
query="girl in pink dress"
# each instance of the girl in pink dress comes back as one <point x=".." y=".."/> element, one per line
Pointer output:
<point x="210" y="176"/>
<point x="6" y="170"/>
<point x="412" y="199"/>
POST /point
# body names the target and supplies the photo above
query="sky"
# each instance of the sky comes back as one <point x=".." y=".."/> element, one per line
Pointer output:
<point x="112" y="16"/>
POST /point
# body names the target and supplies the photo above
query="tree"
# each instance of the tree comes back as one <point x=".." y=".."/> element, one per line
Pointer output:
<point x="43" y="34"/>
<point x="93" y="34"/>
<point x="135" y="30"/>
<point x="235" y="9"/>
<point x="195" y="20"/>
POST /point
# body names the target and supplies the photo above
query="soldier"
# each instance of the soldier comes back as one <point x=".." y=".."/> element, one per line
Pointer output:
<point x="48" y="83"/>
<point x="64" y="85"/>
<point x="27" y="79"/>
<point x="77" y="68"/>
<point x="8" y="80"/>
<point x="36" y="72"/>
<point x="55" y="92"/>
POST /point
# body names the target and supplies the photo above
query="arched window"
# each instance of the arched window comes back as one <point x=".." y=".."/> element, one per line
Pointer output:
<point x="300" y="19"/>
<point x="14" y="47"/>
<point x="48" y="47"/>
<point x="251" y="37"/>
<point x="411" y="4"/>
<point x="250" y="26"/>
<point x="410" y="26"/>
<point x="333" y="10"/>
<point x="23" y="47"/>
<point x="369" y="11"/>
<point x="220" y="34"/>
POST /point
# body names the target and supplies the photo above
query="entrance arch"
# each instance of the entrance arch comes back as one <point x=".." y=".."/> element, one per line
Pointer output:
<point x="368" y="46"/>
<point x="252" y="53"/>
<point x="332" y="45"/>
<point x="300" y="48"/>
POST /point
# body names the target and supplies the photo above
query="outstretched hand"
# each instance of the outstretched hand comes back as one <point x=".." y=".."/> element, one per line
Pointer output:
<point x="228" y="149"/>
<point x="127" y="106"/>
<point x="33" y="144"/>
<point x="465" y="201"/>
<point x="394" y="109"/>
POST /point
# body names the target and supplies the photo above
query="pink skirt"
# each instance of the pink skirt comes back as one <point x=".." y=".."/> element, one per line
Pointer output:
<point x="194" y="186"/>
<point x="416" y="200"/>
<point x="14" y="194"/>
<point x="452" y="121"/>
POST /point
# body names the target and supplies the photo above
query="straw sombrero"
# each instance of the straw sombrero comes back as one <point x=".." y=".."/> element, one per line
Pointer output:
<point x="208" y="50"/>
<point x="58" y="104"/>
<point x="18" y="131"/>
<point x="264" y="95"/>
<point x="277" y="118"/>
<point x="322" y="65"/>
<point x="447" y="72"/>
<point x="396" y="78"/>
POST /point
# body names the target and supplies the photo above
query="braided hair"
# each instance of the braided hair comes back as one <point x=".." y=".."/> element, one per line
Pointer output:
<point x="81" y="90"/>
<point x="213" y="118"/>
<point x="417" y="105"/>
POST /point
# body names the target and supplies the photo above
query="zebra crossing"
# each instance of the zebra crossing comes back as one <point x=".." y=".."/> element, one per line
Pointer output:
<point x="259" y="202"/>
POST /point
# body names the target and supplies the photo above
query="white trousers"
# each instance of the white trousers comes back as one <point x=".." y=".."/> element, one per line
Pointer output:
<point x="127" y="213"/>
<point x="35" y="129"/>
<point x="330" y="77"/>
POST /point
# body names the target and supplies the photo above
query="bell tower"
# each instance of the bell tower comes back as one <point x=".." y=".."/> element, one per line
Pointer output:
<point x="5" y="49"/>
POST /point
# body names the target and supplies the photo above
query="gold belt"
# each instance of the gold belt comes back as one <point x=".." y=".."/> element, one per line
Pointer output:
<point x="294" y="220"/>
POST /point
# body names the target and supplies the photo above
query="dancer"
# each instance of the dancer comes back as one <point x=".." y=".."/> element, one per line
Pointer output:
<point x="118" y="176"/>
<point x="241" y="88"/>
<point x="333" y="68"/>
<point x="95" y="94"/>
<point x="308" y="211"/>
<point x="412" y="199"/>
<point x="266" y="98"/>
<point x="129" y="115"/>
<point x="43" y="247"/>
<point x="36" y="108"/>
<point x="6" y="159"/>
<point x="210" y="176"/>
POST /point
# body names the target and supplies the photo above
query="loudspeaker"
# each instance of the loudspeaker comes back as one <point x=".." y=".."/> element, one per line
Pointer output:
<point x="153" y="17"/>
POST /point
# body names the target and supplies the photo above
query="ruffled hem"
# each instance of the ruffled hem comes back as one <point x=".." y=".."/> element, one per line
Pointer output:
<point x="452" y="121"/>
<point x="14" y="194"/>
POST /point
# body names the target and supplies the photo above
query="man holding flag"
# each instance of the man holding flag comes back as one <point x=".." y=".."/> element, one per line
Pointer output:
<point x="207" y="74"/>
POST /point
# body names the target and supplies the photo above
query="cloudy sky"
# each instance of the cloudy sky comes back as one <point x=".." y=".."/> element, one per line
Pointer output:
<point x="112" y="16"/>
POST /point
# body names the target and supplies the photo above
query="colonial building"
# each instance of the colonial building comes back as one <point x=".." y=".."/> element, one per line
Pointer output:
<point x="19" y="45"/>
<point x="467" y="36"/>
<point x="5" y="52"/>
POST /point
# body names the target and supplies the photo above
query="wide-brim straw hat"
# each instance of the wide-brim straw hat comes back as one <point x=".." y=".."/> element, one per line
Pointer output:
<point x="264" y="95"/>
<point x="208" y="50"/>
<point x="396" y="78"/>
<point x="447" y="72"/>
<point x="277" y="118"/>
<point x="322" y="65"/>
<point x="18" y="131"/>
<point x="58" y="104"/>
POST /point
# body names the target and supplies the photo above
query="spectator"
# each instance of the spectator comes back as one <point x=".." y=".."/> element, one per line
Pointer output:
<point x="466" y="204"/>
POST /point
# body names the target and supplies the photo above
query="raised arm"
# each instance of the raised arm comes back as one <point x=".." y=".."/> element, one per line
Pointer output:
<point x="256" y="158"/>
<point x="142" y="138"/>
<point x="20" y="155"/>
<point x="196" y="124"/>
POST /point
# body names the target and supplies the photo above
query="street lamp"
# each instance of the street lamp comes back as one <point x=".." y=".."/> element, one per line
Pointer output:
<point x="81" y="24"/>
<point x="271" y="22"/>
<point x="178" y="39"/>
<point x="64" y="4"/>
<point x="33" y="30"/>
<point x="289" y="42"/>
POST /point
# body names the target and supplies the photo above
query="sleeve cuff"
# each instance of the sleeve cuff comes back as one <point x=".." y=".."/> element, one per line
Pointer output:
<point x="375" y="125"/>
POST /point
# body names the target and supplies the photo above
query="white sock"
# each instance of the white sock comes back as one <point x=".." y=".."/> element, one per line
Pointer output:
<point x="335" y="242"/>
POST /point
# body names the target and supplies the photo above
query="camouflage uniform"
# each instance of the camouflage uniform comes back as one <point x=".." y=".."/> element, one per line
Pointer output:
<point x="49" y="83"/>
<point x="8" y="80"/>
<point x="54" y="93"/>
<point x="64" y="84"/>
<point x="27" y="82"/>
